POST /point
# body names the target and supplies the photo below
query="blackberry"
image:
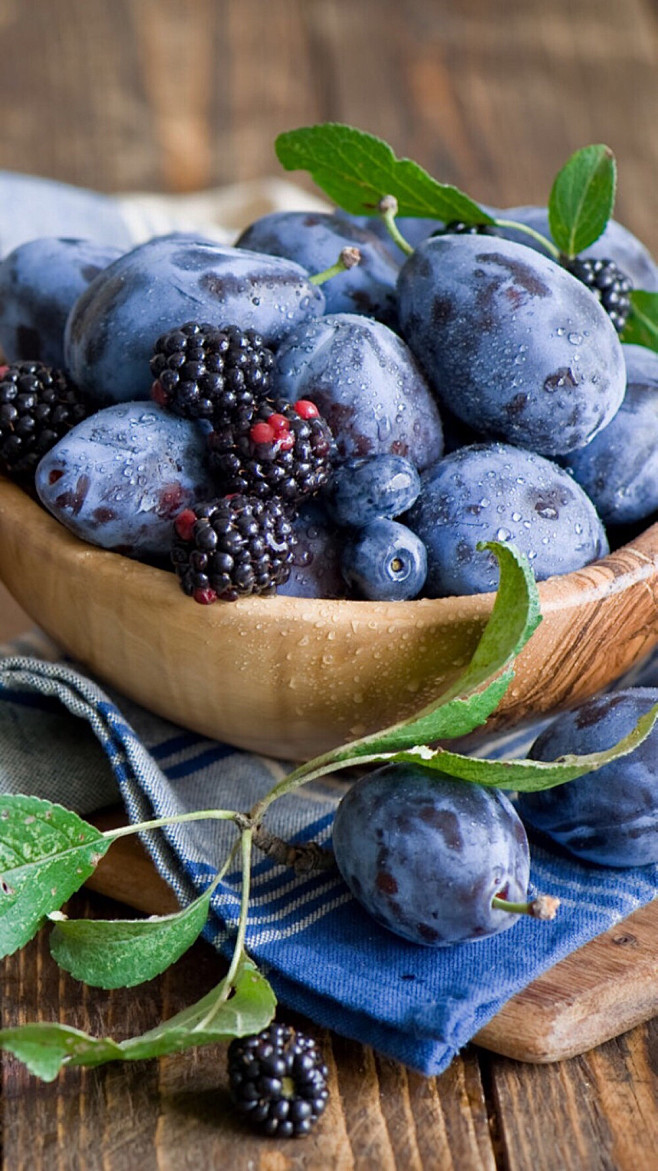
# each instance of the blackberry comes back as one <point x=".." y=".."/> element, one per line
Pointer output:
<point x="202" y="371"/>
<point x="278" y="1081"/>
<point x="459" y="228"/>
<point x="226" y="549"/>
<point x="286" y="452"/>
<point x="608" y="283"/>
<point x="37" y="407"/>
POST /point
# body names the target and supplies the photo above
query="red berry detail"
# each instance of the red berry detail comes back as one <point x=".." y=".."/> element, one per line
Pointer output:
<point x="278" y="422"/>
<point x="158" y="395"/>
<point x="205" y="597"/>
<point x="262" y="433"/>
<point x="306" y="409"/>
<point x="3" y="371"/>
<point x="285" y="441"/>
<point x="184" y="524"/>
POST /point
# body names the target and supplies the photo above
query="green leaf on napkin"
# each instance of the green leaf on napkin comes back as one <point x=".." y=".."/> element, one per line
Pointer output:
<point x="224" y="1013"/>
<point x="46" y="853"/>
<point x="582" y="198"/>
<point x="356" y="170"/>
<point x="641" y="329"/>
<point x="122" y="953"/>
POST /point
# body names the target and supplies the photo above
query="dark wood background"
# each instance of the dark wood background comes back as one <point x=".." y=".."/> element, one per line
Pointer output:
<point x="177" y="95"/>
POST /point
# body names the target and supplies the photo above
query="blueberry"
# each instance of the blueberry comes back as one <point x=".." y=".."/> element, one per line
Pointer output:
<point x="425" y="854"/>
<point x="384" y="562"/>
<point x="615" y="243"/>
<point x="315" y="240"/>
<point x="516" y="346"/>
<point x="120" y="477"/>
<point x="366" y="383"/>
<point x="363" y="489"/>
<point x="494" y="491"/>
<point x="619" y="468"/>
<point x="113" y="326"/>
<point x="610" y="816"/>
<point x="39" y="283"/>
<point x="315" y="571"/>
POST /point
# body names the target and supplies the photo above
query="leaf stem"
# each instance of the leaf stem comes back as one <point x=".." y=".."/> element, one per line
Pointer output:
<point x="388" y="209"/>
<point x="545" y="243"/>
<point x="175" y="819"/>
<point x="238" y="949"/>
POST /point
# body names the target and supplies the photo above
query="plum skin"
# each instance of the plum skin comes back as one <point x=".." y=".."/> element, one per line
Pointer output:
<point x="515" y="345"/>
<point x="494" y="491"/>
<point x="609" y="817"/>
<point x="112" y="328"/>
<point x="119" y="477"/>
<point x="425" y="854"/>
<point x="366" y="383"/>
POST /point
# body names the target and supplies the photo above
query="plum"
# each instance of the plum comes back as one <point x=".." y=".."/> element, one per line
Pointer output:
<point x="315" y="240"/>
<point x="515" y="345"/>
<point x="361" y="490"/>
<point x="366" y="384"/>
<point x="425" y="854"/>
<point x="609" y="816"/>
<point x="39" y="283"/>
<point x="619" y="468"/>
<point x="494" y="491"/>
<point x="113" y="326"/>
<point x="315" y="569"/>
<point x="120" y="477"/>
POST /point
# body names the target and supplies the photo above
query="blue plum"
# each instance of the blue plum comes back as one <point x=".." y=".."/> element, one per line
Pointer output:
<point x="493" y="491"/>
<point x="315" y="570"/>
<point x="120" y="477"/>
<point x="384" y="561"/>
<point x="363" y="489"/>
<point x="515" y="345"/>
<point x="619" y="468"/>
<point x="413" y="229"/>
<point x="610" y="816"/>
<point x="113" y="326"/>
<point x="315" y="240"/>
<point x="39" y="283"/>
<point x="33" y="206"/>
<point x="425" y="854"/>
<point x="616" y="243"/>
<point x="366" y="383"/>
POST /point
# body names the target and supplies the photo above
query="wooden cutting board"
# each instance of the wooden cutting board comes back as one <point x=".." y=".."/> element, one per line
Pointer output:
<point x="598" y="992"/>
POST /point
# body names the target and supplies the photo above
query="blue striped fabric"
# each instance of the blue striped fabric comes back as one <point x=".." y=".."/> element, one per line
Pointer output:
<point x="323" y="955"/>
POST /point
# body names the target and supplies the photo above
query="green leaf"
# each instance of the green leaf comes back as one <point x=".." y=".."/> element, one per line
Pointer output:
<point x="247" y="1008"/>
<point x="46" y="853"/>
<point x="214" y="1018"/>
<point x="476" y="694"/>
<point x="356" y="170"/>
<point x="525" y="776"/>
<point x="45" y="1048"/>
<point x="641" y="329"/>
<point x="122" y="953"/>
<point x="582" y="199"/>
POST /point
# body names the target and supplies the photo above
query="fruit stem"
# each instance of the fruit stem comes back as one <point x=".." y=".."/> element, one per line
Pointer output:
<point x="547" y="244"/>
<point x="348" y="258"/>
<point x="544" y="907"/>
<point x="388" y="209"/>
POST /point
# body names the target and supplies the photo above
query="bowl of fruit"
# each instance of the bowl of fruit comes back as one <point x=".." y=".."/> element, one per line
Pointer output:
<point x="257" y="488"/>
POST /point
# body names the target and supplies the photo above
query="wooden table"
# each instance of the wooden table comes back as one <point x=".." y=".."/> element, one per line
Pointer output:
<point x="173" y="95"/>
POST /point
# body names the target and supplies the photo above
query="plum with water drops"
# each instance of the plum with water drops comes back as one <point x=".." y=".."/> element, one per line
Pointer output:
<point x="426" y="855"/>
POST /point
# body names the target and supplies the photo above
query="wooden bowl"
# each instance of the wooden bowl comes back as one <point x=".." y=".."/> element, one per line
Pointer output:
<point x="292" y="677"/>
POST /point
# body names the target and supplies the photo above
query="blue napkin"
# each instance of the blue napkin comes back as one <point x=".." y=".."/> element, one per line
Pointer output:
<point x="323" y="955"/>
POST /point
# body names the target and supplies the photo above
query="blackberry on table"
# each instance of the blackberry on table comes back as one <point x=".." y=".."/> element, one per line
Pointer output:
<point x="202" y="371"/>
<point x="233" y="547"/>
<point x="612" y="287"/>
<point x="286" y="452"/>
<point x="38" y="405"/>
<point x="278" y="1081"/>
